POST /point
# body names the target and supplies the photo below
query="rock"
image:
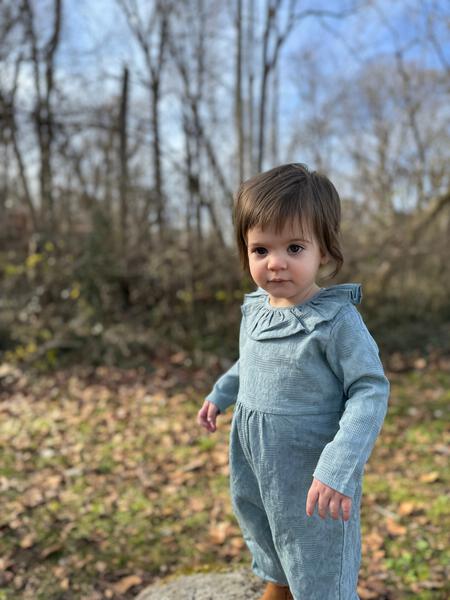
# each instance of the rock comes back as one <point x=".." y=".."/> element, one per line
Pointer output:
<point x="234" y="585"/>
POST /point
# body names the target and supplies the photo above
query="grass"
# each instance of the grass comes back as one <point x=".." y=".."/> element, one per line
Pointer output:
<point x="106" y="474"/>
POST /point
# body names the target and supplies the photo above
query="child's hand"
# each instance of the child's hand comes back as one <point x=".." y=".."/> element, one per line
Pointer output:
<point x="206" y="416"/>
<point x="327" y="497"/>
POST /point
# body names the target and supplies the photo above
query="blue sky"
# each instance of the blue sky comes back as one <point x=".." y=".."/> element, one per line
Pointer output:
<point x="97" y="31"/>
<point x="96" y="43"/>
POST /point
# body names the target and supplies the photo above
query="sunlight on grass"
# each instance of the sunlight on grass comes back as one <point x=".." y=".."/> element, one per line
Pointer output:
<point x="133" y="490"/>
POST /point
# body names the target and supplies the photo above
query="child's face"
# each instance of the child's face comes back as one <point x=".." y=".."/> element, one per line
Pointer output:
<point x="285" y="264"/>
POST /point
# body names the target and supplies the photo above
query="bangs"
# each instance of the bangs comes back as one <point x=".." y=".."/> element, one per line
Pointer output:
<point x="274" y="212"/>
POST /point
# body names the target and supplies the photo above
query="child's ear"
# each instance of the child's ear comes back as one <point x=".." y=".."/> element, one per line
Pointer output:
<point x="325" y="258"/>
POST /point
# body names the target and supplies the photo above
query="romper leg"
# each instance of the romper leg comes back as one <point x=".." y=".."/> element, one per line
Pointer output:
<point x="320" y="557"/>
<point x="248" y="506"/>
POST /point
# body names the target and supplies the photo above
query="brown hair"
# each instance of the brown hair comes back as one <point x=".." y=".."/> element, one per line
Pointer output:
<point x="289" y="193"/>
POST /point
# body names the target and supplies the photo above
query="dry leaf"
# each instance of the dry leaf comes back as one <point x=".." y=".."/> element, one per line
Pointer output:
<point x="5" y="563"/>
<point x="395" y="528"/>
<point x="366" y="594"/>
<point x="375" y="585"/>
<point x="218" y="533"/>
<point x="122" y="586"/>
<point x="220" y="457"/>
<point x="178" y="358"/>
<point x="237" y="543"/>
<point x="15" y="523"/>
<point x="420" y="363"/>
<point x="59" y="571"/>
<point x="51" y="549"/>
<point x="406" y="508"/>
<point x="65" y="584"/>
<point x="32" y="497"/>
<point x="53" y="482"/>
<point x="373" y="540"/>
<point x="429" y="477"/>
<point x="196" y="463"/>
<point x="28" y="540"/>
<point x="197" y="504"/>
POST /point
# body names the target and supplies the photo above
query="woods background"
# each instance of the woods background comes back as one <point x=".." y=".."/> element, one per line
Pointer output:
<point x="126" y="127"/>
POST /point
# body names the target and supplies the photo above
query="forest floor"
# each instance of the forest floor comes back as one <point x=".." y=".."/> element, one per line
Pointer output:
<point x="107" y="484"/>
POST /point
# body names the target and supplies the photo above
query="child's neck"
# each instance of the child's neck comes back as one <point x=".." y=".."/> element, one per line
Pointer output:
<point x="293" y="301"/>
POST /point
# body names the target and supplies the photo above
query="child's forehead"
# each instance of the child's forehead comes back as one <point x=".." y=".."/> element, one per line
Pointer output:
<point x="289" y="230"/>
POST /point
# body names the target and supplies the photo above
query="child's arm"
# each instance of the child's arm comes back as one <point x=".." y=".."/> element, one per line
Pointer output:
<point x="223" y="394"/>
<point x="353" y="356"/>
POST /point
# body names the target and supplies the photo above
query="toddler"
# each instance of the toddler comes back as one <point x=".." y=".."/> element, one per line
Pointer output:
<point x="310" y="392"/>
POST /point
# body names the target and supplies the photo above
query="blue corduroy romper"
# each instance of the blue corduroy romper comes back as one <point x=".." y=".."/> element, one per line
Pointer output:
<point x="311" y="397"/>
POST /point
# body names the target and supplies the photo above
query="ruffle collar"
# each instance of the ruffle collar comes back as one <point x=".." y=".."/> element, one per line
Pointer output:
<point x="264" y="321"/>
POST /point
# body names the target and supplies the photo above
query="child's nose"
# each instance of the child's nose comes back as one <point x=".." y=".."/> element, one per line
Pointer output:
<point x="276" y="262"/>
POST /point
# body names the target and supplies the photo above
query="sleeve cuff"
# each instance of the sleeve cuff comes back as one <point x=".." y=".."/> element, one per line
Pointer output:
<point x="221" y="402"/>
<point x="348" y="489"/>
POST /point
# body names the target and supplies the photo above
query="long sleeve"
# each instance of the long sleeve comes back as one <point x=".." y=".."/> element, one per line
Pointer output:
<point x="353" y="356"/>
<point x="225" y="390"/>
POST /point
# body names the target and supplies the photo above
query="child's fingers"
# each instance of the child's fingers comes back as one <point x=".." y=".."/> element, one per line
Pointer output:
<point x="211" y="416"/>
<point x="346" y="506"/>
<point x="311" y="500"/>
<point x="323" y="504"/>
<point x="327" y="500"/>
<point x="335" y="505"/>
<point x="206" y="416"/>
<point x="201" y="415"/>
<point x="339" y="502"/>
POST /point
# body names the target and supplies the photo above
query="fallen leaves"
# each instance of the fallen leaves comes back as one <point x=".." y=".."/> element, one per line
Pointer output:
<point x="373" y="540"/>
<point x="198" y="504"/>
<point x="111" y="476"/>
<point x="126" y="583"/>
<point x="27" y="540"/>
<point x="33" y="497"/>
<point x="394" y="528"/>
<point x="429" y="477"/>
<point x="48" y="550"/>
<point x="366" y="593"/>
<point x="218" y="532"/>
<point x="409" y="507"/>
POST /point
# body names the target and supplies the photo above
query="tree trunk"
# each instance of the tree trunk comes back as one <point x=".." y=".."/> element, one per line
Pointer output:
<point x="155" y="123"/>
<point x="123" y="160"/>
<point x="238" y="96"/>
<point x="43" y="115"/>
<point x="251" y="82"/>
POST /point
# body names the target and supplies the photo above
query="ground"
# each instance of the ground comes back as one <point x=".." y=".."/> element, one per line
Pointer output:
<point x="108" y="485"/>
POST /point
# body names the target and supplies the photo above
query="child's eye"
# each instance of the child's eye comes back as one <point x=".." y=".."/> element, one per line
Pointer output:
<point x="260" y="251"/>
<point x="295" y="248"/>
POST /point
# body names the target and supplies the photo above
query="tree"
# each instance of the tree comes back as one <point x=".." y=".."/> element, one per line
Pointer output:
<point x="42" y="55"/>
<point x="151" y="34"/>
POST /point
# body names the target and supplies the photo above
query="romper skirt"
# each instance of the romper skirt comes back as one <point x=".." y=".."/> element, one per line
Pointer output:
<point x="272" y="458"/>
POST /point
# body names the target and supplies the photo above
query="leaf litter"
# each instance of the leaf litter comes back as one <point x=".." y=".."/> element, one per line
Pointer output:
<point x="108" y="485"/>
